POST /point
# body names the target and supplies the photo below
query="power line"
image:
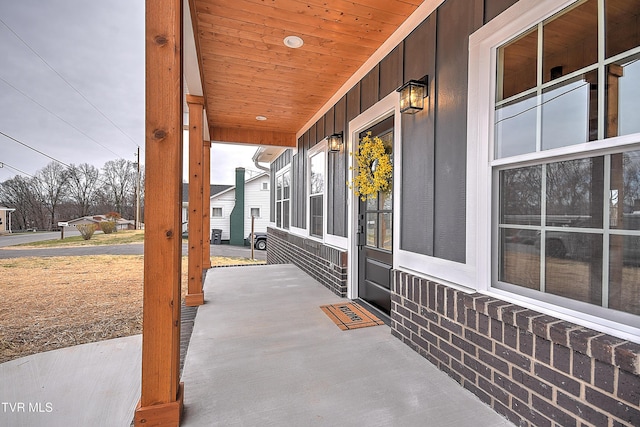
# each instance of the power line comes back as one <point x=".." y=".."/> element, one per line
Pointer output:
<point x="57" y="116"/>
<point x="16" y="169"/>
<point x="69" y="84"/>
<point x="34" y="149"/>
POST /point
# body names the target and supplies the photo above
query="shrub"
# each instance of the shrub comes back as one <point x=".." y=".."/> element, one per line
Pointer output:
<point x="86" y="230"/>
<point x="108" y="227"/>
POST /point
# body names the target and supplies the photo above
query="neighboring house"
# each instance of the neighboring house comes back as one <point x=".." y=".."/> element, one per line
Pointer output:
<point x="255" y="194"/>
<point x="531" y="126"/>
<point x="213" y="189"/>
<point x="5" y="219"/>
<point x="121" y="223"/>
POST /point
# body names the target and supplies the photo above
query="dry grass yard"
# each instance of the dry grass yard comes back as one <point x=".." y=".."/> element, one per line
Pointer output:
<point x="56" y="302"/>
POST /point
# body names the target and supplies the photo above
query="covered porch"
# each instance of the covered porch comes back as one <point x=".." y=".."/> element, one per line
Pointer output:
<point x="233" y="75"/>
<point x="263" y="353"/>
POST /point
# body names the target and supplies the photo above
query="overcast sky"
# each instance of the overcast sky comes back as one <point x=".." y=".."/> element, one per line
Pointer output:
<point x="94" y="50"/>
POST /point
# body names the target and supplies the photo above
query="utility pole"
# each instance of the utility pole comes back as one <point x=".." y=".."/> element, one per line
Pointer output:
<point x="137" y="224"/>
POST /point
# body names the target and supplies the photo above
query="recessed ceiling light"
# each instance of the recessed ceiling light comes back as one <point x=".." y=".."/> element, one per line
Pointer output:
<point x="261" y="118"/>
<point x="293" y="42"/>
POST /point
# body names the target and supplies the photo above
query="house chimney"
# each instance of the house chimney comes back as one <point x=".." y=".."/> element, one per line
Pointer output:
<point x="237" y="214"/>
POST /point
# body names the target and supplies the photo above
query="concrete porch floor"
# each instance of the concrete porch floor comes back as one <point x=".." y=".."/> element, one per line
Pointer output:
<point x="262" y="353"/>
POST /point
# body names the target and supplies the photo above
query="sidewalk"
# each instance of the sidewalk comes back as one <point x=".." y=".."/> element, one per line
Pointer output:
<point x="262" y="353"/>
<point x="96" y="384"/>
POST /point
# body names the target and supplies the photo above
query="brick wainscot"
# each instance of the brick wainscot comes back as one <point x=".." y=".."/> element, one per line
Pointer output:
<point x="534" y="369"/>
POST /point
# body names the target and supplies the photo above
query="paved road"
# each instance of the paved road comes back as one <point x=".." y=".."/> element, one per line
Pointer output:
<point x="20" y="238"/>
<point x="127" y="249"/>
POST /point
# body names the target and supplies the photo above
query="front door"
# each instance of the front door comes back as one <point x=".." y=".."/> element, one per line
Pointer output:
<point x="375" y="236"/>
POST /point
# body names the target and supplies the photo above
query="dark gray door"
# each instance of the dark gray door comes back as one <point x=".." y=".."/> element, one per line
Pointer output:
<point x="375" y="236"/>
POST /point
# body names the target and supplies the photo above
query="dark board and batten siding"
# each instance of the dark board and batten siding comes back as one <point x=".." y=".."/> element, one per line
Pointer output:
<point x="456" y="20"/>
<point x="534" y="369"/>
<point x="418" y="145"/>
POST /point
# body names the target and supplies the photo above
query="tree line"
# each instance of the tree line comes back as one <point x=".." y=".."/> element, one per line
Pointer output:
<point x="59" y="193"/>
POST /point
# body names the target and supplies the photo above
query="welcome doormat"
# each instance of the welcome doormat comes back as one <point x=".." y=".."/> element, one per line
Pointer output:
<point x="350" y="316"/>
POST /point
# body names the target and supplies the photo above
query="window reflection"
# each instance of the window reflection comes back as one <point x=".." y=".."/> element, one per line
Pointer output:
<point x="624" y="273"/>
<point x="570" y="41"/>
<point x="574" y="193"/>
<point x="386" y="228"/>
<point x="574" y="266"/>
<point x="624" y="200"/>
<point x="372" y="228"/>
<point x="519" y="258"/>
<point x="623" y="97"/>
<point x="518" y="66"/>
<point x="622" y="20"/>
<point x="520" y="197"/>
<point x="516" y="127"/>
<point x="570" y="112"/>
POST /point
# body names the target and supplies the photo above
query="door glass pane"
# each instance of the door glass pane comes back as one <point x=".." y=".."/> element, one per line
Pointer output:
<point x="372" y="227"/>
<point x="386" y="201"/>
<point x="520" y="195"/>
<point x="316" y="208"/>
<point x="517" y="65"/>
<point x="624" y="273"/>
<point x="385" y="233"/>
<point x="516" y="127"/>
<point x="574" y="265"/>
<point x="519" y="259"/>
<point x="570" y="41"/>
<point x="570" y="112"/>
<point x="621" y="24"/>
<point x="623" y="97"/>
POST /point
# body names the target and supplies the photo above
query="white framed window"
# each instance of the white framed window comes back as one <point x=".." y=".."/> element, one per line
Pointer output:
<point x="283" y="198"/>
<point x="255" y="212"/>
<point x="216" y="212"/>
<point x="554" y="87"/>
<point x="317" y="175"/>
<point x="265" y="186"/>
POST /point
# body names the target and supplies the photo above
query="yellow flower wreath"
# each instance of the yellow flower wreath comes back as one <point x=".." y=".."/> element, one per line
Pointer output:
<point x="373" y="169"/>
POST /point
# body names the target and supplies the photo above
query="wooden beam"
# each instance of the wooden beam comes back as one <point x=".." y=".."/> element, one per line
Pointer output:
<point x="161" y="394"/>
<point x="253" y="136"/>
<point x="195" y="295"/>
<point x="206" y="205"/>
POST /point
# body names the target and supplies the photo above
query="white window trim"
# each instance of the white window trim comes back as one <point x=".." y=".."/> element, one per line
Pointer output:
<point x="221" y="212"/>
<point x="481" y="99"/>
<point x="320" y="147"/>
<point x="280" y="173"/>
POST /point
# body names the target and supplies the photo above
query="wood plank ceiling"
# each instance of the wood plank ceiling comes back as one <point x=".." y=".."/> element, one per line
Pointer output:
<point x="248" y="71"/>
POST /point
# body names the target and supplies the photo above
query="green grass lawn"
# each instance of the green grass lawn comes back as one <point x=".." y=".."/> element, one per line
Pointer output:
<point x="117" y="238"/>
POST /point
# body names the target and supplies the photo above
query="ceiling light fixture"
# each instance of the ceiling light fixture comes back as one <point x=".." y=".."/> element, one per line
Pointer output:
<point x="293" y="42"/>
<point x="261" y="118"/>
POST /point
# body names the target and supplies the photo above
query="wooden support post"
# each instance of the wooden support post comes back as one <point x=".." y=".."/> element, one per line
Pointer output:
<point x="161" y="394"/>
<point x="195" y="294"/>
<point x="206" y="205"/>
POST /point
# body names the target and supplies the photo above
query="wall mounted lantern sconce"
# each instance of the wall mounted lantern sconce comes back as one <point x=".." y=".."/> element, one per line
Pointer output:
<point x="335" y="142"/>
<point x="412" y="95"/>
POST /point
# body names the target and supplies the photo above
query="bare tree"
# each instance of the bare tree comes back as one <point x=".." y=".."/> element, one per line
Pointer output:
<point x="21" y="193"/>
<point x="120" y="183"/>
<point x="52" y="181"/>
<point x="83" y="188"/>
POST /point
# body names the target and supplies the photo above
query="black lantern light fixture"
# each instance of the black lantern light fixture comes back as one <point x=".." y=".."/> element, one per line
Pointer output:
<point x="412" y="95"/>
<point x="335" y="142"/>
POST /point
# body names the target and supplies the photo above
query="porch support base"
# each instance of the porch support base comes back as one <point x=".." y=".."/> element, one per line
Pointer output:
<point x="162" y="415"/>
<point x="194" y="300"/>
